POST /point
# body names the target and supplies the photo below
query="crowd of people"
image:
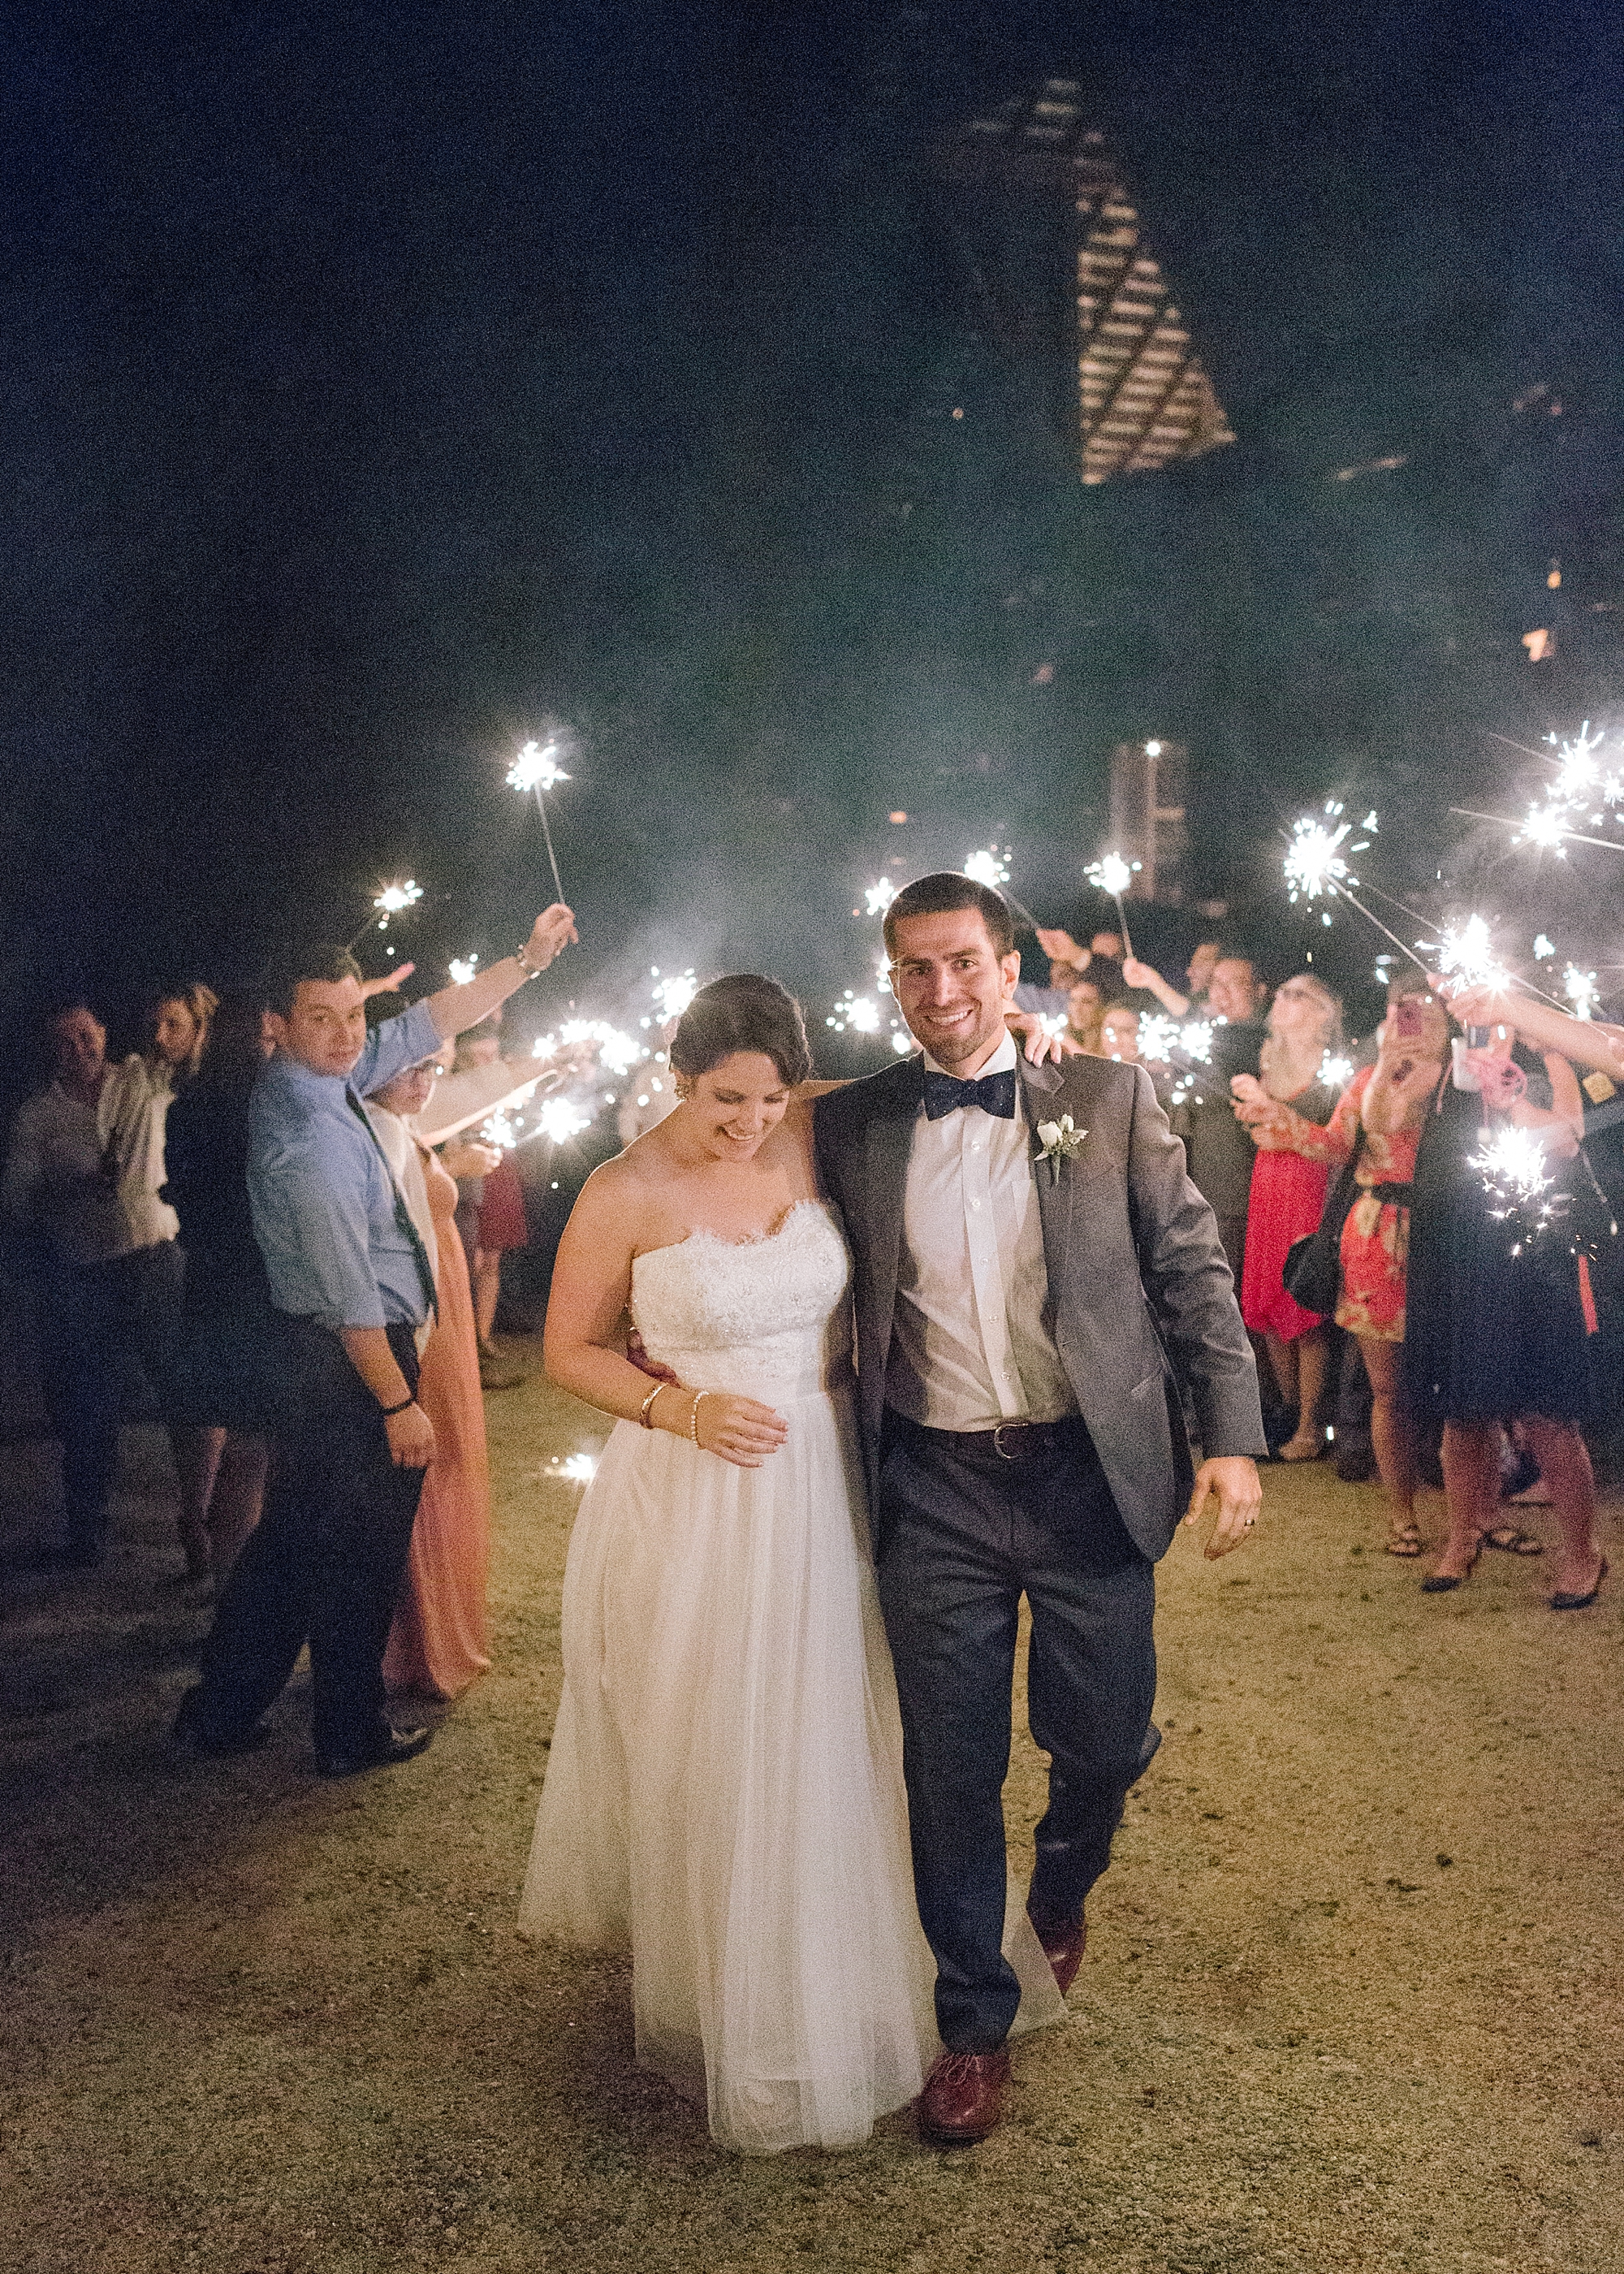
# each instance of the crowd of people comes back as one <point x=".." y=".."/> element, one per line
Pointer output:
<point x="873" y="1303"/>
<point x="1456" y="1333"/>
<point x="242" y="1216"/>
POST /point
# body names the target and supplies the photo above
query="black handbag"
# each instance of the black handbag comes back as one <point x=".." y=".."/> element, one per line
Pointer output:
<point x="1311" y="1274"/>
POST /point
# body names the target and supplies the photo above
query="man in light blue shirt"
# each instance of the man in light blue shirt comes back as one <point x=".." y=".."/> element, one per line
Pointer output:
<point x="355" y="1286"/>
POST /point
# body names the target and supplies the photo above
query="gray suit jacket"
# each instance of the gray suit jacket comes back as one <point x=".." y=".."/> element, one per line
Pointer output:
<point x="1140" y="1298"/>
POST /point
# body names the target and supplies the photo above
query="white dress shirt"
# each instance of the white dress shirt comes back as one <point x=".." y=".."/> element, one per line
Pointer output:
<point x="969" y="1343"/>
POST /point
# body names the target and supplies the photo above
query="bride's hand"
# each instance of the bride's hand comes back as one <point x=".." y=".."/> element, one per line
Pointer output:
<point x="737" y="1429"/>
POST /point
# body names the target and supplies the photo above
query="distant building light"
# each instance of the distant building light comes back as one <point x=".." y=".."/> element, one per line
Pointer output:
<point x="898" y="816"/>
<point x="1153" y="750"/>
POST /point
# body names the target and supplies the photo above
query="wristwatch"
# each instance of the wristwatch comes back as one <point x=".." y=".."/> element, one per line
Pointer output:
<point x="531" y="970"/>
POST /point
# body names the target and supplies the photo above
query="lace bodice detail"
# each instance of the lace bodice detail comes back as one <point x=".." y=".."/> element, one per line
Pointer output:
<point x="768" y="1317"/>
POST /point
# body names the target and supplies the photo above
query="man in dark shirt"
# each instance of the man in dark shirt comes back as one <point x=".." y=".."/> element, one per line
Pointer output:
<point x="1220" y="1152"/>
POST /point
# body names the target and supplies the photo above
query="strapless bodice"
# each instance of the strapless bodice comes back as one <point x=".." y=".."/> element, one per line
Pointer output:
<point x="765" y="1317"/>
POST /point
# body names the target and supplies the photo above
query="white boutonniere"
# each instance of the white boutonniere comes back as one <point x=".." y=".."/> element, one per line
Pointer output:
<point x="1059" y="1141"/>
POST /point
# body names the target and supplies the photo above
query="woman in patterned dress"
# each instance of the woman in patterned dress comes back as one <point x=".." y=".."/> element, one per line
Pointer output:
<point x="1389" y="1102"/>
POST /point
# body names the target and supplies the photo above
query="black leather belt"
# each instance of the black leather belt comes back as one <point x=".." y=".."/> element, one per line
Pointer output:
<point x="1011" y="1440"/>
<point x="1391" y="1195"/>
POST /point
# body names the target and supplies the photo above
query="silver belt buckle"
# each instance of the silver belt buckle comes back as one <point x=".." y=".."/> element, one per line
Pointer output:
<point x="997" y="1440"/>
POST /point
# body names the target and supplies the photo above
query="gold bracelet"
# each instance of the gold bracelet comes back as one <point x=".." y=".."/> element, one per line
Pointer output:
<point x="647" y="1404"/>
<point x="693" y="1419"/>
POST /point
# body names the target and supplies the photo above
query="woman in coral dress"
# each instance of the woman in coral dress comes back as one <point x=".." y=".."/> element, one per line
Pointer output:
<point x="437" y="1644"/>
<point x="1389" y="1101"/>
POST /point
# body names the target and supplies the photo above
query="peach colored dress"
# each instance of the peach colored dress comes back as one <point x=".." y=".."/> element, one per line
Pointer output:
<point x="437" y="1644"/>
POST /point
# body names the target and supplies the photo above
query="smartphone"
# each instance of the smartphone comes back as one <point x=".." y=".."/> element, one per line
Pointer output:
<point x="1409" y="1017"/>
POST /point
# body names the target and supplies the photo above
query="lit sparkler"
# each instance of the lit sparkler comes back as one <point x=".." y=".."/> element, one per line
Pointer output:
<point x="1543" y="947"/>
<point x="1314" y="861"/>
<point x="500" y="1130"/>
<point x="674" y="991"/>
<point x="861" y="1013"/>
<point x="536" y="771"/>
<point x="879" y="896"/>
<point x="463" y="968"/>
<point x="988" y="867"/>
<point x="559" y="1121"/>
<point x="1335" y="1072"/>
<point x="1512" y="1165"/>
<point x="1582" y="991"/>
<point x="1110" y="873"/>
<point x="394" y="899"/>
<point x="1467" y="953"/>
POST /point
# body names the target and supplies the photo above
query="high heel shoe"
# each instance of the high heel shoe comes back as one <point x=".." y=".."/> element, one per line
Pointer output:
<point x="1445" y="1583"/>
<point x="1559" y="1602"/>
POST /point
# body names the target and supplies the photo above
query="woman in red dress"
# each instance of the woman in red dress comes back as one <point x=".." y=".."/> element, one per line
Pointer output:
<point x="1390" y="1101"/>
<point x="1287" y="1196"/>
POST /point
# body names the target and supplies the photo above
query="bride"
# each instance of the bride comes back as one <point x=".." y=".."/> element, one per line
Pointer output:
<point x="725" y="1789"/>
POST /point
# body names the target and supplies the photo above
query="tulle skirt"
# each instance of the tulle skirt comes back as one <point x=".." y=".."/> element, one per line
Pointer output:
<point x="724" y="1788"/>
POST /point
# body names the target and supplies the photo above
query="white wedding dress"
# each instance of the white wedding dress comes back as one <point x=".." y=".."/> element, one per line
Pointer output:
<point x="725" y="1789"/>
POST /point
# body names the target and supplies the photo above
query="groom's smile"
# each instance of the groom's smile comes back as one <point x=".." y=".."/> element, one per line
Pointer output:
<point x="952" y="987"/>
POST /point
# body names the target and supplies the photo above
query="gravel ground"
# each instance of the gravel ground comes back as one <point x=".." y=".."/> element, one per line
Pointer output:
<point x="1350" y="2001"/>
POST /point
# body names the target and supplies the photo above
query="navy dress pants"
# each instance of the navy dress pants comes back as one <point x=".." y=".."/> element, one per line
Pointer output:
<point x="325" y="1561"/>
<point x="963" y="1535"/>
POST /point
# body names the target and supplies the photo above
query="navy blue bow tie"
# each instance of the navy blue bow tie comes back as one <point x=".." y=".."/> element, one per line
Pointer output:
<point x="994" y="1093"/>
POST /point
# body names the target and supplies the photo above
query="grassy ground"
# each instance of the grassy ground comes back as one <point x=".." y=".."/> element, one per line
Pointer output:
<point x="1351" y="1996"/>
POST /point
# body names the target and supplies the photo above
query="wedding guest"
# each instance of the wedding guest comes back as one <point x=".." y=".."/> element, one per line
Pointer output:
<point x="437" y="1642"/>
<point x="1198" y="977"/>
<point x="1286" y="1200"/>
<point x="218" y="1387"/>
<point x="354" y="1287"/>
<point x="1085" y="1016"/>
<point x="1119" y="1034"/>
<point x="1219" y="1151"/>
<point x="133" y="1112"/>
<point x="58" y="1191"/>
<point x="491" y="1220"/>
<point x="1500" y="1320"/>
<point x="1379" y="1119"/>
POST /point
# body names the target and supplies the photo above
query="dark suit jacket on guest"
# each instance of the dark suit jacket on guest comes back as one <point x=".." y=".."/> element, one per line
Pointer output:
<point x="1140" y="1298"/>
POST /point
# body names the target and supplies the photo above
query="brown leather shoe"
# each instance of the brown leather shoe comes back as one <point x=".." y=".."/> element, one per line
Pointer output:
<point x="1063" y="1946"/>
<point x="963" y="2099"/>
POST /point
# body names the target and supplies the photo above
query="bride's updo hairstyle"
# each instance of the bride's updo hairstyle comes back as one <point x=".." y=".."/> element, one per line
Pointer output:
<point x="743" y="1012"/>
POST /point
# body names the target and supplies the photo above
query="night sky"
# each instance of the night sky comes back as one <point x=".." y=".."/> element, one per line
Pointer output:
<point x="382" y="379"/>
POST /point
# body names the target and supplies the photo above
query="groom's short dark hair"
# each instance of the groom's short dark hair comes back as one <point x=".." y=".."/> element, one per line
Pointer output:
<point x="945" y="894"/>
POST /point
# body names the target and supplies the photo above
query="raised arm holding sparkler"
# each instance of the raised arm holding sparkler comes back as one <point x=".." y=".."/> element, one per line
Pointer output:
<point x="1591" y="1041"/>
<point x="455" y="1008"/>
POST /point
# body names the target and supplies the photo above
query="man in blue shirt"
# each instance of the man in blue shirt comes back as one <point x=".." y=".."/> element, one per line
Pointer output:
<point x="355" y="1287"/>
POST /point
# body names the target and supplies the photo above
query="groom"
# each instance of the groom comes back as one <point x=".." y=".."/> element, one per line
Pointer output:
<point x="1036" y="1279"/>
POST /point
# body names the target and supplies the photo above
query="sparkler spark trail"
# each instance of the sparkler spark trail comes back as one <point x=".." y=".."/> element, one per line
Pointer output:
<point x="1314" y="862"/>
<point x="674" y="992"/>
<point x="461" y="969"/>
<point x="987" y="868"/>
<point x="1335" y="1072"/>
<point x="1468" y="953"/>
<point x="559" y="1121"/>
<point x="536" y="770"/>
<point x="1110" y="873"/>
<point x="879" y="896"/>
<point x="1569" y="836"/>
<point x="1582" y="991"/>
<point x="394" y="899"/>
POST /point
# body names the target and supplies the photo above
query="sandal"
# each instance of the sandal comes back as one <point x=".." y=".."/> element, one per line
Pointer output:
<point x="1510" y="1541"/>
<point x="1404" y="1540"/>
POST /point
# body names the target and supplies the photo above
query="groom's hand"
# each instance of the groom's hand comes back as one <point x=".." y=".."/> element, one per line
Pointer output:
<point x="652" y="1367"/>
<point x="1234" y="1478"/>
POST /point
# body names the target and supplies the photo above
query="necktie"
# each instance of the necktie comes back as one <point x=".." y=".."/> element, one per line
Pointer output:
<point x="994" y="1093"/>
<point x="404" y="1224"/>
